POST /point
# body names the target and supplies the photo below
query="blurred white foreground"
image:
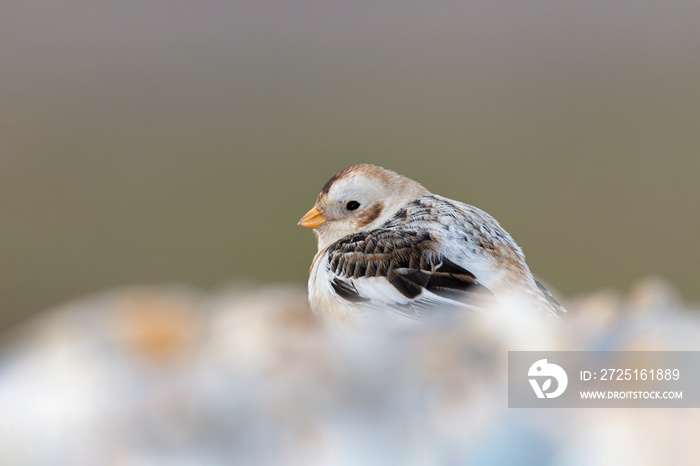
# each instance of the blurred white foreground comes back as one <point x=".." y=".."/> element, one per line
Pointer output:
<point x="248" y="376"/>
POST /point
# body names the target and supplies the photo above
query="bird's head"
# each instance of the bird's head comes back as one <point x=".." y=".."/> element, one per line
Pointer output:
<point x="360" y="198"/>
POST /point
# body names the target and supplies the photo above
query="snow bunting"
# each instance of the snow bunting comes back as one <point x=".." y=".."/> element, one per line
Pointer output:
<point x="386" y="242"/>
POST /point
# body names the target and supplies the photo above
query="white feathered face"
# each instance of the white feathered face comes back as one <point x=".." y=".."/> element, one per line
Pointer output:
<point x="359" y="198"/>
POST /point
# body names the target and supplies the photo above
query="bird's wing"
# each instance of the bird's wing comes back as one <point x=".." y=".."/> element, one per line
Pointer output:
<point x="403" y="270"/>
<point x="551" y="300"/>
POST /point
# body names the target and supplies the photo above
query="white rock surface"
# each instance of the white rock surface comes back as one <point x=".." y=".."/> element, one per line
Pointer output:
<point x="173" y="376"/>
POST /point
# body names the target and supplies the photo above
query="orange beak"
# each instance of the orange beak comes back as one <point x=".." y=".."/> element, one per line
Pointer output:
<point x="312" y="219"/>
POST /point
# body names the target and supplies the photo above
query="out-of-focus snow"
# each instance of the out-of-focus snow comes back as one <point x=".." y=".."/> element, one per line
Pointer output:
<point x="248" y="376"/>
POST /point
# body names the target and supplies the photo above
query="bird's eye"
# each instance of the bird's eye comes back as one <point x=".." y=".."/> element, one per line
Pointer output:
<point x="352" y="205"/>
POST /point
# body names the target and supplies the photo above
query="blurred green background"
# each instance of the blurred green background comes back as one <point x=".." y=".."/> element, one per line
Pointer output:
<point x="151" y="142"/>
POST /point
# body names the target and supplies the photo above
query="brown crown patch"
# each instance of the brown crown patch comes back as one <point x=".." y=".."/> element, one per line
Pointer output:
<point x="365" y="168"/>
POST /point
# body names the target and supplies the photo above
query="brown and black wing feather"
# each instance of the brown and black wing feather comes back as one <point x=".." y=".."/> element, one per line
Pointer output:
<point x="409" y="260"/>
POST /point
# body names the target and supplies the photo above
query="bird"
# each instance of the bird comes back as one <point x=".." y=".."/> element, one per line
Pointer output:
<point x="387" y="243"/>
